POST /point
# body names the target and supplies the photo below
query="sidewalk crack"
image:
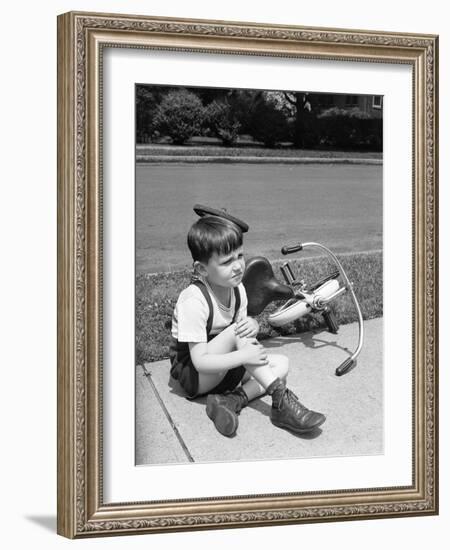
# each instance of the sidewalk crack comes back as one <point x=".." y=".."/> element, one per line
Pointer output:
<point x="181" y="441"/>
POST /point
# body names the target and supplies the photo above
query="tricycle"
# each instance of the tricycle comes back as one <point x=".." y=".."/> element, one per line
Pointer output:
<point x="262" y="288"/>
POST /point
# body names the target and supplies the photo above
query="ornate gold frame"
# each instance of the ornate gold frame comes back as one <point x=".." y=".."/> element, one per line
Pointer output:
<point x="81" y="37"/>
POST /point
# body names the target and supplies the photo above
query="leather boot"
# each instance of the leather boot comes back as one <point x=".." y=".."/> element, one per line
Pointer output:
<point x="288" y="413"/>
<point x="223" y="409"/>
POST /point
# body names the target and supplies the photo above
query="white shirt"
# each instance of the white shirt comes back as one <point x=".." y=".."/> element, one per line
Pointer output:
<point x="191" y="312"/>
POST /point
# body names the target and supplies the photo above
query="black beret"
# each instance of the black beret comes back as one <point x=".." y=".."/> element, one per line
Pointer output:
<point x="222" y="213"/>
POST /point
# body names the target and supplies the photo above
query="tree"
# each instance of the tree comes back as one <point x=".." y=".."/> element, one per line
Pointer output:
<point x="179" y="115"/>
<point x="298" y="108"/>
<point x="147" y="100"/>
<point x="303" y="134"/>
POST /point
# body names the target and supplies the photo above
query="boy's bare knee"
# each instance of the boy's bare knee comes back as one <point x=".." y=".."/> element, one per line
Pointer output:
<point x="280" y="364"/>
<point x="224" y="342"/>
<point x="240" y="341"/>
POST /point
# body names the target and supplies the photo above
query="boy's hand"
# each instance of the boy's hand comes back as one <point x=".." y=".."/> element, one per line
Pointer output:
<point x="253" y="353"/>
<point x="247" y="327"/>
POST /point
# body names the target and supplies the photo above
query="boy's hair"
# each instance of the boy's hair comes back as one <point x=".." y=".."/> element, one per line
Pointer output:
<point x="213" y="234"/>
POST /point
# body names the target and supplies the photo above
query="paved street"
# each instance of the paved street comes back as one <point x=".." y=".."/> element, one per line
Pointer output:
<point x="340" y="206"/>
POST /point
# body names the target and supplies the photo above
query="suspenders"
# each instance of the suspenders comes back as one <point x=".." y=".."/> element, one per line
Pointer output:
<point x="237" y="303"/>
<point x="181" y="363"/>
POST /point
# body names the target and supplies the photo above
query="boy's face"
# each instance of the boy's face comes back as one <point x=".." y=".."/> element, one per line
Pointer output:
<point x="225" y="270"/>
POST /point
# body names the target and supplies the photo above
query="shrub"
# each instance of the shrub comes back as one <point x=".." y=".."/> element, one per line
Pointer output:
<point x="304" y="130"/>
<point x="350" y="128"/>
<point x="222" y="120"/>
<point x="179" y="115"/>
<point x="268" y="124"/>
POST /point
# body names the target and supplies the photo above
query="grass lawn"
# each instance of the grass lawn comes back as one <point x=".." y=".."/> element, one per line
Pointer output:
<point x="156" y="295"/>
<point x="145" y="153"/>
<point x="245" y="146"/>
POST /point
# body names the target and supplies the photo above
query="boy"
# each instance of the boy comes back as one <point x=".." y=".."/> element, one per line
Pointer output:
<point x="214" y="350"/>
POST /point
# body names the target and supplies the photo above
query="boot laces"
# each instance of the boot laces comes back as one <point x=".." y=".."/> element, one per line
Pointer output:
<point x="292" y="399"/>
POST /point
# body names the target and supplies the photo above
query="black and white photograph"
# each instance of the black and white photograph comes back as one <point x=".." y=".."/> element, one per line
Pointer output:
<point x="259" y="274"/>
<point x="247" y="283"/>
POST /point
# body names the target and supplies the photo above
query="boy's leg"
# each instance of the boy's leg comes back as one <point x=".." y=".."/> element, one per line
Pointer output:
<point x="224" y="409"/>
<point x="286" y="412"/>
<point x="226" y="342"/>
<point x="264" y="374"/>
<point x="208" y="381"/>
<point x="279" y="365"/>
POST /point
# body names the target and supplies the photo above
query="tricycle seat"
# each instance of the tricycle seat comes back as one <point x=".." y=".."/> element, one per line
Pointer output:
<point x="261" y="285"/>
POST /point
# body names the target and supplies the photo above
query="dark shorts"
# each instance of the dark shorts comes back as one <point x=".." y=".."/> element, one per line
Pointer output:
<point x="183" y="370"/>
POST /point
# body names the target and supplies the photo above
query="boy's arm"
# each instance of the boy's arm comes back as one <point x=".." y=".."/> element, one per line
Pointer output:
<point x="192" y="315"/>
<point x="192" y="322"/>
<point x="247" y="327"/>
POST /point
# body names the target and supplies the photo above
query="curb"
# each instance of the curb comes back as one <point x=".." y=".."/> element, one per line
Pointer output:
<point x="145" y="159"/>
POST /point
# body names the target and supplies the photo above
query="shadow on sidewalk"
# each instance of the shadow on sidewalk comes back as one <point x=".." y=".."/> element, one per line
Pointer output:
<point x="308" y="339"/>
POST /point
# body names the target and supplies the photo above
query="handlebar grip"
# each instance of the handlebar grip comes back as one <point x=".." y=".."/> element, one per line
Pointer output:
<point x="291" y="249"/>
<point x="346" y="366"/>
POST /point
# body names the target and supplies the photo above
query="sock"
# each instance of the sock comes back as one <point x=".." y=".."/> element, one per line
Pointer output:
<point x="275" y="385"/>
<point x="276" y="390"/>
<point x="242" y="396"/>
<point x="242" y="392"/>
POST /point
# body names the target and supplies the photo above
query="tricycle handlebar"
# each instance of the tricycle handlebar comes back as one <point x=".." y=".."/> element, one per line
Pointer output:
<point x="291" y="249"/>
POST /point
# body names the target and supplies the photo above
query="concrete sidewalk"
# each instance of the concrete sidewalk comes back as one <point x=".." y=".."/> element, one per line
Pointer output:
<point x="172" y="429"/>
